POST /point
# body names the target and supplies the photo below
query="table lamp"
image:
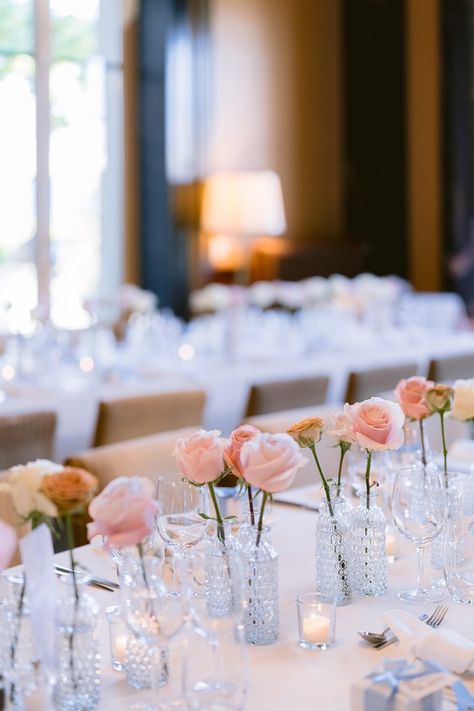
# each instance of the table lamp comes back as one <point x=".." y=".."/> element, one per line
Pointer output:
<point x="238" y="208"/>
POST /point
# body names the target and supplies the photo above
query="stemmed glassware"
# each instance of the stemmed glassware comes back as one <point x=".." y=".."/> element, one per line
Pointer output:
<point x="180" y="504"/>
<point x="419" y="511"/>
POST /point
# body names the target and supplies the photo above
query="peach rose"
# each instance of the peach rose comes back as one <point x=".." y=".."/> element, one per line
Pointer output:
<point x="463" y="408"/>
<point x="307" y="432"/>
<point x="70" y="489"/>
<point x="411" y="394"/>
<point x="237" y="438"/>
<point x="376" y="423"/>
<point x="270" y="461"/>
<point x="124" y="512"/>
<point x="440" y="398"/>
<point x="342" y="429"/>
<point x="7" y="544"/>
<point x="200" y="457"/>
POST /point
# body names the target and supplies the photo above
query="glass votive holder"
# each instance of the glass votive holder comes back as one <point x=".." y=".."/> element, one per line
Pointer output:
<point x="118" y="635"/>
<point x="316" y="620"/>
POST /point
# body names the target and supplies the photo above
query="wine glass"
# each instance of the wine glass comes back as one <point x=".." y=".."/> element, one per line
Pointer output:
<point x="419" y="511"/>
<point x="179" y="507"/>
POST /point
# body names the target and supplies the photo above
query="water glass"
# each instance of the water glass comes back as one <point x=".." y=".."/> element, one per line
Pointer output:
<point x="118" y="635"/>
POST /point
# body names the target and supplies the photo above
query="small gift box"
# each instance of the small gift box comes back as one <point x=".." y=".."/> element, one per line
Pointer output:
<point x="400" y="686"/>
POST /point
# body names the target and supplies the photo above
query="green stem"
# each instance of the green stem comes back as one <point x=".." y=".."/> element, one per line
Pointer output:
<point x="445" y="451"/>
<point x="367" y="477"/>
<point x="251" y="508"/>
<point x="142" y="561"/>
<point x="422" y="440"/>
<point x="19" y="614"/>
<point x="220" y="524"/>
<point x="70" y="543"/>
<point x="260" y="518"/>
<point x="323" y="479"/>
<point x="339" y="473"/>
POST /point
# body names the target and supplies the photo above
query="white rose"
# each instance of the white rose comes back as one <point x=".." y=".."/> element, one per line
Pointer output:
<point x="24" y="485"/>
<point x="463" y="408"/>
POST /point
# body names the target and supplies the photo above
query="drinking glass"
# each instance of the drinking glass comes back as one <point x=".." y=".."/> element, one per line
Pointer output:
<point x="179" y="507"/>
<point x="419" y="511"/>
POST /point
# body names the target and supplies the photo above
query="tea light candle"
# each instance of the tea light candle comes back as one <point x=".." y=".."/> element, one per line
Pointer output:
<point x="317" y="628"/>
<point x="390" y="545"/>
<point x="120" y="648"/>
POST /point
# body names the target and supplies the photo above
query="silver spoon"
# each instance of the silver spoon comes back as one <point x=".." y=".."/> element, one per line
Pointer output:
<point x="376" y="637"/>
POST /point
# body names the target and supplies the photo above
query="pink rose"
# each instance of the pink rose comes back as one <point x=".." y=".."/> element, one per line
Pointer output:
<point x="237" y="438"/>
<point x="124" y="513"/>
<point x="270" y="461"/>
<point x="7" y="544"/>
<point x="411" y="394"/>
<point x="343" y="429"/>
<point x="377" y="423"/>
<point x="200" y="457"/>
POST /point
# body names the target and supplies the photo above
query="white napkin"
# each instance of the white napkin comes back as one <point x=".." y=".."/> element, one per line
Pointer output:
<point x="443" y="646"/>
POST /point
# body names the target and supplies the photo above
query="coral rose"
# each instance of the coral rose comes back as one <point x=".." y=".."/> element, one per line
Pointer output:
<point x="236" y="440"/>
<point x="307" y="432"/>
<point x="411" y="394"/>
<point x="200" y="457"/>
<point x="7" y="544"/>
<point x="70" y="489"/>
<point x="124" y="513"/>
<point x="376" y="423"/>
<point x="270" y="461"/>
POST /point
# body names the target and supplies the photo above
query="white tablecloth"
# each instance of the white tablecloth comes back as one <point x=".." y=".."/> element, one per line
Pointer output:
<point x="226" y="384"/>
<point x="283" y="676"/>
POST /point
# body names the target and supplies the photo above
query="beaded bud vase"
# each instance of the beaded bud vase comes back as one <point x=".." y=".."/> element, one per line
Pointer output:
<point x="219" y="563"/>
<point x="260" y="576"/>
<point x="78" y="662"/>
<point x="332" y="534"/>
<point x="459" y="498"/>
<point x="18" y="663"/>
<point x="368" y="553"/>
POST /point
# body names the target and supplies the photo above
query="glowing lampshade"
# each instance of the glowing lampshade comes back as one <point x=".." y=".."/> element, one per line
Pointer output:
<point x="248" y="204"/>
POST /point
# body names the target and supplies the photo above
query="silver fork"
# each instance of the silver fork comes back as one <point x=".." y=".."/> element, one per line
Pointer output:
<point x="434" y="620"/>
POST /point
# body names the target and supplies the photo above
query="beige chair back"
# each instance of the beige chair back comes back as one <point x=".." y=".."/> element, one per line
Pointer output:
<point x="150" y="456"/>
<point x="363" y="384"/>
<point x="140" y="416"/>
<point x="283" y="395"/>
<point x="328" y="454"/>
<point x="455" y="367"/>
<point x="26" y="437"/>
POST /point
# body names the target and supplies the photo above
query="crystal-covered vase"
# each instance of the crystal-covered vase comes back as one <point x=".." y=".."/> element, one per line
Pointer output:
<point x="459" y="498"/>
<point x="368" y="552"/>
<point x="77" y="686"/>
<point x="220" y="553"/>
<point x="260" y="576"/>
<point x="332" y="559"/>
<point x="18" y="664"/>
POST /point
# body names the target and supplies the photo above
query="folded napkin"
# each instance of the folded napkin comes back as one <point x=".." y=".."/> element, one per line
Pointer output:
<point x="443" y="646"/>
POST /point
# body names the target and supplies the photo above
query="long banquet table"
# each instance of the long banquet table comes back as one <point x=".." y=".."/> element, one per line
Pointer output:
<point x="226" y="383"/>
<point x="284" y="676"/>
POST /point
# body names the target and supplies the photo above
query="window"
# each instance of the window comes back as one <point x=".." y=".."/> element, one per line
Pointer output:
<point x="60" y="154"/>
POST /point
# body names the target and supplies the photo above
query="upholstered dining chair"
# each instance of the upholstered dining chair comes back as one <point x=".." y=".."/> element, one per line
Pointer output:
<point x="279" y="395"/>
<point x="150" y="456"/>
<point x="328" y="454"/>
<point x="142" y="415"/>
<point x="453" y="367"/>
<point x="363" y="384"/>
<point x="26" y="437"/>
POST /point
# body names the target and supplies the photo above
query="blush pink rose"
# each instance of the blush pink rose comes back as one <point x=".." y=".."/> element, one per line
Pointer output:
<point x="270" y="461"/>
<point x="7" y="544"/>
<point x="411" y="394"/>
<point x="342" y="428"/>
<point x="376" y="423"/>
<point x="200" y="457"/>
<point x="124" y="513"/>
<point x="236" y="440"/>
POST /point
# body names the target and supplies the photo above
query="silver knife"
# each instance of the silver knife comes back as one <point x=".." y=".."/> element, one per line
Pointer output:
<point x="93" y="579"/>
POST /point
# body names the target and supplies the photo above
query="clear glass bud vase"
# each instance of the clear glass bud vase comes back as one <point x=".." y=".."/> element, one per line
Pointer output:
<point x="18" y="664"/>
<point x="220" y="554"/>
<point x="332" y="534"/>
<point x="260" y="576"/>
<point x="78" y="662"/>
<point x="368" y="553"/>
